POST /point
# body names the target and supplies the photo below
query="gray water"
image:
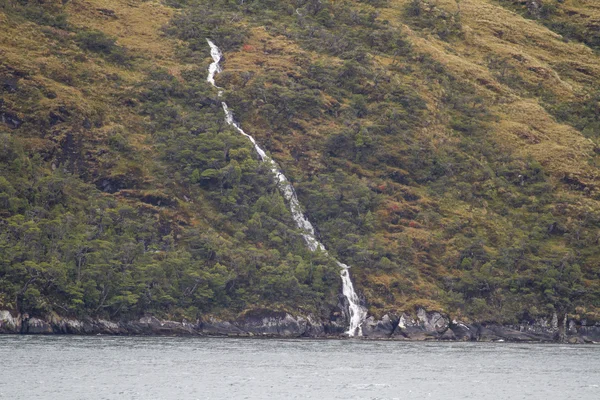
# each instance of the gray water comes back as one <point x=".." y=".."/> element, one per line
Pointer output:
<point x="106" y="367"/>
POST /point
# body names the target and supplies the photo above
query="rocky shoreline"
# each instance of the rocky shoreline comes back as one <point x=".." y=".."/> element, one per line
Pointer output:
<point x="423" y="326"/>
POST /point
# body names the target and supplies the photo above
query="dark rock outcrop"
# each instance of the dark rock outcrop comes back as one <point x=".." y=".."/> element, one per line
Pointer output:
<point x="379" y="329"/>
<point x="490" y="333"/>
<point x="36" y="325"/>
<point x="10" y="119"/>
<point x="461" y="331"/>
<point x="8" y="323"/>
<point x="268" y="323"/>
<point x="215" y="327"/>
<point x="427" y="326"/>
<point x="272" y="323"/>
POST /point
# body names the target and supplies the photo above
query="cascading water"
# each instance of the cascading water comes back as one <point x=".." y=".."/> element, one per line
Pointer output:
<point x="357" y="313"/>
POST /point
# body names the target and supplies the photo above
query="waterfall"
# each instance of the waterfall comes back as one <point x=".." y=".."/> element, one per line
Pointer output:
<point x="356" y="311"/>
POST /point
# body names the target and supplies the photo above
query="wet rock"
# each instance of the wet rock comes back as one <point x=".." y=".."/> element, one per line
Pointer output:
<point x="491" y="333"/>
<point x="314" y="328"/>
<point x="409" y="328"/>
<point x="546" y="329"/>
<point x="271" y="323"/>
<point x="337" y="325"/>
<point x="154" y="326"/>
<point x="575" y="340"/>
<point x="36" y="326"/>
<point x="462" y="331"/>
<point x="427" y="326"/>
<point x="108" y="327"/>
<point x="378" y="329"/>
<point x="572" y="328"/>
<point x="292" y="327"/>
<point x="8" y="323"/>
<point x="215" y="327"/>
<point x="448" y="335"/>
<point x="587" y="332"/>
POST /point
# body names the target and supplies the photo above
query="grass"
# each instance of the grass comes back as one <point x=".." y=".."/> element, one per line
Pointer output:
<point x="513" y="64"/>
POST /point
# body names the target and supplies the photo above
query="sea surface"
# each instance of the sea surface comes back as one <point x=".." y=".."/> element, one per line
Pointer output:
<point x="165" y="368"/>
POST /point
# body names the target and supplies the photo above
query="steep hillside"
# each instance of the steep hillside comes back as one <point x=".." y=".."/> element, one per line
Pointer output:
<point x="447" y="150"/>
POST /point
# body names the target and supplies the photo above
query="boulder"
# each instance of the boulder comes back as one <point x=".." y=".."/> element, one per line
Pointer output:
<point x="378" y="329"/>
<point x="462" y="331"/>
<point x="8" y="323"/>
<point x="433" y="322"/>
<point x="427" y="326"/>
<point x="448" y="335"/>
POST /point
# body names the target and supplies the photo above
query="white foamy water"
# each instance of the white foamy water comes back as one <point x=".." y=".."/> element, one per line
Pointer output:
<point x="357" y="313"/>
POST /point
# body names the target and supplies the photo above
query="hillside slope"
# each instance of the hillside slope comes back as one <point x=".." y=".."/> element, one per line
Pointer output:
<point x="447" y="150"/>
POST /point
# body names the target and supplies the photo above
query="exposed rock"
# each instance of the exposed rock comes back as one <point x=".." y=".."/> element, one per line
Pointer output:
<point x="381" y="329"/>
<point x="10" y="119"/>
<point x="541" y="327"/>
<point x="575" y="340"/>
<point x="262" y="322"/>
<point x="462" y="331"/>
<point x="36" y="325"/>
<point x="217" y="327"/>
<point x="73" y="326"/>
<point x="314" y="328"/>
<point x="272" y="323"/>
<point x="154" y="326"/>
<point x="433" y="322"/>
<point x="588" y="333"/>
<point x="8" y="323"/>
<point x="108" y="327"/>
<point x="491" y="333"/>
<point x="427" y="326"/>
<point x="337" y="325"/>
<point x="534" y="7"/>
<point x="448" y="335"/>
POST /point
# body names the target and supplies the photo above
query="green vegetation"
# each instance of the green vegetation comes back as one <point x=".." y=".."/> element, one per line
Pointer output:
<point x="123" y="191"/>
<point x="563" y="17"/>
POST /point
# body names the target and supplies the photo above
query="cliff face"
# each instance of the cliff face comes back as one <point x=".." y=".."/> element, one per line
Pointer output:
<point x="447" y="150"/>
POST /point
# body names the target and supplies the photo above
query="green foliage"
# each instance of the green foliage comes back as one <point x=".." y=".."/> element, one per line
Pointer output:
<point x="582" y="113"/>
<point x="393" y="162"/>
<point x="567" y="23"/>
<point x="99" y="42"/>
<point x="46" y="14"/>
<point x="425" y="15"/>
<point x="196" y="24"/>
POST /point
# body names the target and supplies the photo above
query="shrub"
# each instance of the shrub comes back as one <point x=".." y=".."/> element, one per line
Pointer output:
<point x="99" y="42"/>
